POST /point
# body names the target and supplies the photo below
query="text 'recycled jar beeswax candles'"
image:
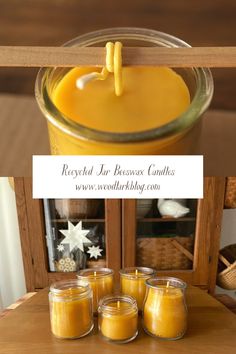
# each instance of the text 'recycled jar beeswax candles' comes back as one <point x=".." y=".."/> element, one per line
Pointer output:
<point x="156" y="111"/>
<point x="133" y="282"/>
<point x="71" y="309"/>
<point x="118" y="318"/>
<point x="101" y="282"/>
<point x="165" y="311"/>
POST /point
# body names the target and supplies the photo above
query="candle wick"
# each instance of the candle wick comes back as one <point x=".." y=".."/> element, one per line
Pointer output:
<point x="83" y="80"/>
<point x="113" y="65"/>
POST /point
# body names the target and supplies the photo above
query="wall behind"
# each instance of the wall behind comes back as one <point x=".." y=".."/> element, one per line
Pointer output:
<point x="12" y="279"/>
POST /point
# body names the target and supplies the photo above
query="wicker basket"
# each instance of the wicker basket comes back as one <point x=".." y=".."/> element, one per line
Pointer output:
<point x="77" y="208"/>
<point x="230" y="192"/>
<point x="226" y="277"/>
<point x="165" y="252"/>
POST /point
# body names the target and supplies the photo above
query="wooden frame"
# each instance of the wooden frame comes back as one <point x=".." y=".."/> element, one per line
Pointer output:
<point x="120" y="229"/>
<point x="207" y="236"/>
<point x="33" y="241"/>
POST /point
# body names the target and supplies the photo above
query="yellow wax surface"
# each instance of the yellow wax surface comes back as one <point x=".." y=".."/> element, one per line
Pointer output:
<point x="101" y="286"/>
<point x="70" y="319"/>
<point x="152" y="97"/>
<point x="119" y="326"/>
<point x="135" y="287"/>
<point x="165" y="313"/>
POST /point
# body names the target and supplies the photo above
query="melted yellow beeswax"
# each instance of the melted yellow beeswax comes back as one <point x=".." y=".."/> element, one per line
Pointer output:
<point x="151" y="97"/>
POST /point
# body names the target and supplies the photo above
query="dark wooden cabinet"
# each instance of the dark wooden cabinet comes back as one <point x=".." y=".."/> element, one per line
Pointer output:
<point x="131" y="239"/>
<point x="204" y="226"/>
<point x="31" y="215"/>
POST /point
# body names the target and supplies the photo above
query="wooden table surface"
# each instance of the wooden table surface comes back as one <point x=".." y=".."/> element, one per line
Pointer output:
<point x="211" y="330"/>
<point x="23" y="133"/>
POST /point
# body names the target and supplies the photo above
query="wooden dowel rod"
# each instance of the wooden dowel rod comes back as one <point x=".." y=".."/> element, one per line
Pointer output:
<point x="160" y="56"/>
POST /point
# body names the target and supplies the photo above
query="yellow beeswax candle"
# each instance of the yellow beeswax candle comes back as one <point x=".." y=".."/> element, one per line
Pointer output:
<point x="100" y="280"/>
<point x="165" y="313"/>
<point x="118" y="318"/>
<point x="70" y="309"/>
<point x="133" y="282"/>
<point x="148" y="112"/>
<point x="152" y="97"/>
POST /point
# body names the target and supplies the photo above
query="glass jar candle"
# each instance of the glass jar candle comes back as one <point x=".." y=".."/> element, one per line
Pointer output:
<point x="178" y="136"/>
<point x="71" y="313"/>
<point x="165" y="311"/>
<point x="101" y="282"/>
<point x="118" y="318"/>
<point x="133" y="282"/>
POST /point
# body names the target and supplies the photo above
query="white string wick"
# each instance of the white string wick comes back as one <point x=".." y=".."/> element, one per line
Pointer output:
<point x="113" y="65"/>
<point x="82" y="81"/>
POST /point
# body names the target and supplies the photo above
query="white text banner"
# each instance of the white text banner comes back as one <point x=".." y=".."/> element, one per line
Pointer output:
<point x="117" y="176"/>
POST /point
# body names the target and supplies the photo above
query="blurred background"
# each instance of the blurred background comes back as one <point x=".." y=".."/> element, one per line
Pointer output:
<point x="53" y="22"/>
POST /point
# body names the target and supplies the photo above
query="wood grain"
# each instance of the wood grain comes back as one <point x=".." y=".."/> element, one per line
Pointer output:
<point x="211" y="330"/>
<point x="37" y="234"/>
<point x="228" y="301"/>
<point x="217" y="214"/>
<point x="32" y="235"/>
<point x="128" y="232"/>
<point x="51" y="23"/>
<point x="207" y="233"/>
<point x="113" y="235"/>
<point x="16" y="304"/>
<point x="212" y="57"/>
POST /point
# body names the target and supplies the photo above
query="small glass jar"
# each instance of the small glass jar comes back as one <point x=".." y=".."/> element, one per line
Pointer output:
<point x="118" y="318"/>
<point x="165" y="310"/>
<point x="133" y="282"/>
<point x="179" y="136"/>
<point x="101" y="282"/>
<point x="71" y="309"/>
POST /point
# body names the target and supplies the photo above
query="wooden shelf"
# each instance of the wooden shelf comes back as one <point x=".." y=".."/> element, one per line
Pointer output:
<point x="77" y="220"/>
<point x="166" y="219"/>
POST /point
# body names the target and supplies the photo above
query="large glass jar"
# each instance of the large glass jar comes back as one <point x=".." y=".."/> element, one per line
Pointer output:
<point x="71" y="309"/>
<point x="165" y="311"/>
<point x="179" y="136"/>
<point x="133" y="282"/>
<point x="101" y="282"/>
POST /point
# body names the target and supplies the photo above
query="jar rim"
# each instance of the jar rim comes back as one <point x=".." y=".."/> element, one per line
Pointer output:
<point x="89" y="273"/>
<point x="109" y="310"/>
<point x="198" y="105"/>
<point x="129" y="272"/>
<point x="157" y="282"/>
<point x="60" y="287"/>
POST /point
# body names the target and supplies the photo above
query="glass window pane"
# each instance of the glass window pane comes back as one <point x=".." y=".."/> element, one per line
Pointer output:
<point x="75" y="234"/>
<point x="165" y="233"/>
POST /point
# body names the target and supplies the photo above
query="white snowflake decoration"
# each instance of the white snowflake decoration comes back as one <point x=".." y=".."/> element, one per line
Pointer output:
<point x="94" y="251"/>
<point x="60" y="248"/>
<point x="75" y="236"/>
